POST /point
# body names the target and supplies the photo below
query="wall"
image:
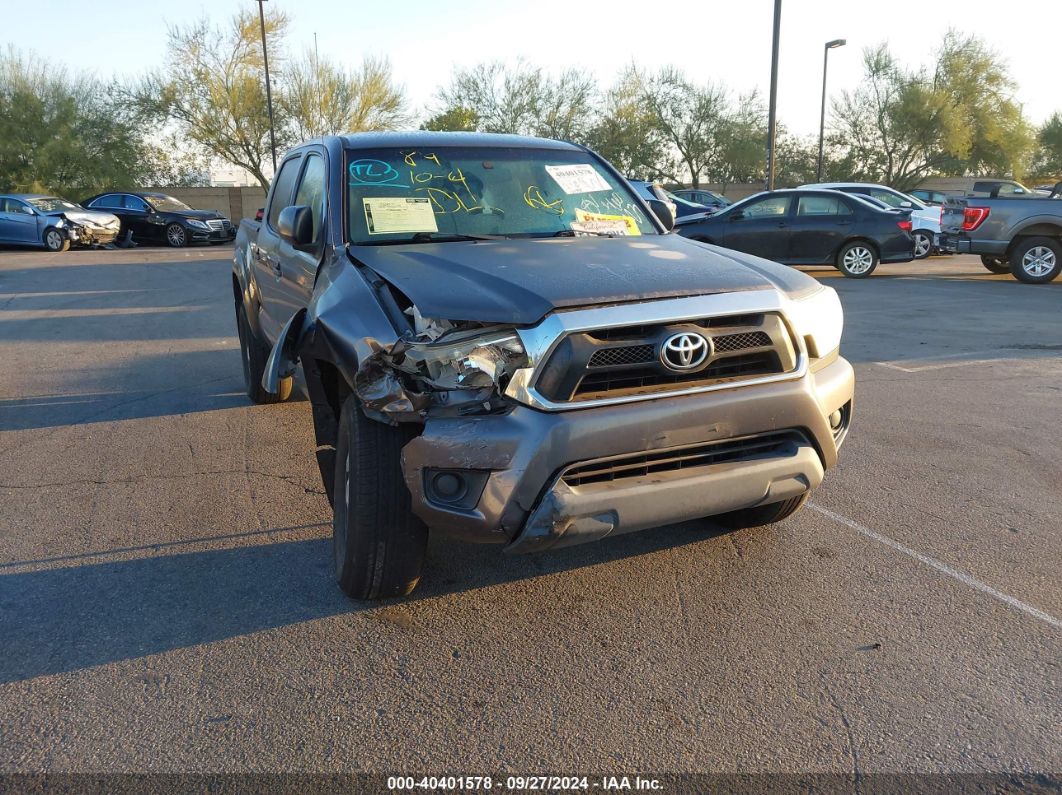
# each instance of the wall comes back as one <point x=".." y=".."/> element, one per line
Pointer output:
<point x="234" y="203"/>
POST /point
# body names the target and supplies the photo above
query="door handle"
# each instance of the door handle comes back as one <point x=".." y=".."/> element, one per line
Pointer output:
<point x="782" y="224"/>
<point x="274" y="265"/>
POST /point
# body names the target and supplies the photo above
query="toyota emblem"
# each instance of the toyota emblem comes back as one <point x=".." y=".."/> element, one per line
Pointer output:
<point x="684" y="351"/>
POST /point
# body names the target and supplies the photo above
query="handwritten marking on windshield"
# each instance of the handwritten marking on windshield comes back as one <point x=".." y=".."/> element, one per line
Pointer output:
<point x="533" y="198"/>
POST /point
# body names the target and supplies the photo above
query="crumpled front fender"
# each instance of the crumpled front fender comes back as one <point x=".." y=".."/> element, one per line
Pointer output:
<point x="284" y="357"/>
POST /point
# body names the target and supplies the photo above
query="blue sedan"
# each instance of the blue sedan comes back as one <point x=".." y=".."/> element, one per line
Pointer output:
<point x="30" y="219"/>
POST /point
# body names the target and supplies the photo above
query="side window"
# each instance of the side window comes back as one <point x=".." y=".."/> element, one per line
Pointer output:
<point x="890" y="199"/>
<point x="110" y="200"/>
<point x="14" y="206"/>
<point x="822" y="205"/>
<point x="311" y="192"/>
<point x="282" y="185"/>
<point x="765" y="208"/>
<point x="135" y="203"/>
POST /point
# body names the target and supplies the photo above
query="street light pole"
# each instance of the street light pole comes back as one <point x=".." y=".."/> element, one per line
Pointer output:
<point x="269" y="91"/>
<point x="773" y="108"/>
<point x="822" y="116"/>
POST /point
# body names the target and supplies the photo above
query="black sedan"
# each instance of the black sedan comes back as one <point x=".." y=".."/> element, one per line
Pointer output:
<point x="156" y="217"/>
<point x="809" y="227"/>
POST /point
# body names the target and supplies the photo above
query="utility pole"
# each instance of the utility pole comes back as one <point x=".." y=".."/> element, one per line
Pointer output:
<point x="772" y="112"/>
<point x="269" y="91"/>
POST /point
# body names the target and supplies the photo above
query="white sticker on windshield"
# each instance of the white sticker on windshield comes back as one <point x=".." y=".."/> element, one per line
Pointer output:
<point x="578" y="178"/>
<point x="386" y="216"/>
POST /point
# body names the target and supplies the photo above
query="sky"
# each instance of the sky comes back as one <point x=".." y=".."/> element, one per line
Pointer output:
<point x="727" y="42"/>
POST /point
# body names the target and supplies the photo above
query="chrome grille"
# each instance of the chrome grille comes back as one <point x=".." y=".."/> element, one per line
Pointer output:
<point x="216" y="224"/>
<point x="626" y="361"/>
<point x="741" y="342"/>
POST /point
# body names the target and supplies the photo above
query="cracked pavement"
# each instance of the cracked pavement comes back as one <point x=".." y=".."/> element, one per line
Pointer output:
<point x="167" y="602"/>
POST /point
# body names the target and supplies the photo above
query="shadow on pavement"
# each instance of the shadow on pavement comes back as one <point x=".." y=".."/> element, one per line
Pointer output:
<point x="66" y="619"/>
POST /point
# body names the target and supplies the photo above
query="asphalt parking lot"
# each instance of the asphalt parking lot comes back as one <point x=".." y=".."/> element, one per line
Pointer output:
<point x="167" y="601"/>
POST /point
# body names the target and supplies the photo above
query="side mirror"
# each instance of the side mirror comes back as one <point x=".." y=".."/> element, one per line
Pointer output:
<point x="662" y="212"/>
<point x="295" y="225"/>
<point x="906" y="204"/>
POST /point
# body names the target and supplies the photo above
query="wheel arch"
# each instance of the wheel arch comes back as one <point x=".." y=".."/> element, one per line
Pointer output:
<point x="870" y="243"/>
<point x="1034" y="230"/>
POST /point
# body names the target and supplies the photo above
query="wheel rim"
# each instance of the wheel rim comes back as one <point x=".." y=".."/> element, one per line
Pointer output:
<point x="55" y="240"/>
<point x="175" y="234"/>
<point x="858" y="259"/>
<point x="921" y="245"/>
<point x="1038" y="261"/>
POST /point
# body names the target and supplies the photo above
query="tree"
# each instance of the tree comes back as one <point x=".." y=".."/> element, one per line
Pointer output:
<point x="625" y="133"/>
<point x="213" y="89"/>
<point x="320" y="98"/>
<point x="522" y="100"/>
<point x="1048" y="161"/>
<point x="63" y="135"/>
<point x="741" y="142"/>
<point x="900" y="126"/>
<point x="456" y="119"/>
<point x="689" y="116"/>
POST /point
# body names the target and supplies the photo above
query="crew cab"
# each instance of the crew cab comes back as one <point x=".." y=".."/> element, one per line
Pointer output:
<point x="501" y="341"/>
<point x="1022" y="236"/>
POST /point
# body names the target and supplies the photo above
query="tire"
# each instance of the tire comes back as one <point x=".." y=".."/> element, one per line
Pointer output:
<point x="54" y="240"/>
<point x="995" y="264"/>
<point x="378" y="544"/>
<point x="761" y="514"/>
<point x="253" y="354"/>
<point x="176" y="236"/>
<point x="923" y="243"/>
<point x="857" y="259"/>
<point x="1036" y="260"/>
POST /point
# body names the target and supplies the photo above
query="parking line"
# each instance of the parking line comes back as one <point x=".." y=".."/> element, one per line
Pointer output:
<point x="943" y="568"/>
<point x="948" y="360"/>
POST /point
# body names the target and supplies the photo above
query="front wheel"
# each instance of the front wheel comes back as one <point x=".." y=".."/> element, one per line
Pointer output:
<point x="923" y="244"/>
<point x="995" y="264"/>
<point x="254" y="353"/>
<point x="1037" y="260"/>
<point x="176" y="236"/>
<point x="857" y="260"/>
<point x="377" y="542"/>
<point x="761" y="514"/>
<point x="54" y="240"/>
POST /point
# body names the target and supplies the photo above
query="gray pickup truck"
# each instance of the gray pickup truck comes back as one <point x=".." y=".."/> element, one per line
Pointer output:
<point x="501" y="341"/>
<point x="1022" y="236"/>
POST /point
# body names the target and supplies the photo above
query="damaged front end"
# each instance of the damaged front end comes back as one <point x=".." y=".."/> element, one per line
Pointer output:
<point x="444" y="367"/>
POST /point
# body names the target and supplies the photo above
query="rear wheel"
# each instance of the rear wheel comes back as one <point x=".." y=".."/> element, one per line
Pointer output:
<point x="761" y="514"/>
<point x="857" y="260"/>
<point x="254" y="354"/>
<point x="377" y="542"/>
<point x="923" y="243"/>
<point x="1037" y="260"/>
<point x="995" y="264"/>
<point x="54" y="240"/>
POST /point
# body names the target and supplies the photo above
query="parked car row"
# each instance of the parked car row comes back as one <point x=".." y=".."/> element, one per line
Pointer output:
<point x="55" y="224"/>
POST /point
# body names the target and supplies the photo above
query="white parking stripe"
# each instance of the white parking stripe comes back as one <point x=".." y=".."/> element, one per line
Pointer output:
<point x="944" y="568"/>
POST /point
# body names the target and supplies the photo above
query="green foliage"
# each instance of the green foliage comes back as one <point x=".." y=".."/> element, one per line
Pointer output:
<point x="625" y="132"/>
<point x="1048" y="162"/>
<point x="65" y="135"/>
<point x="319" y="98"/>
<point x="521" y="100"/>
<point x="900" y="126"/>
<point x="456" y="119"/>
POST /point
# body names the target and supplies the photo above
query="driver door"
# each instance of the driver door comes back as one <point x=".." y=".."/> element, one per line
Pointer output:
<point x="761" y="227"/>
<point x="18" y="222"/>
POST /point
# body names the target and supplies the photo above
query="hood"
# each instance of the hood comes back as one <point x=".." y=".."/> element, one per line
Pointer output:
<point x="202" y="215"/>
<point x="520" y="281"/>
<point x="82" y="216"/>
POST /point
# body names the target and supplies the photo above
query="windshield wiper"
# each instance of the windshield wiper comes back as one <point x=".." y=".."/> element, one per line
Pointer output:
<point x="447" y="237"/>
<point x="573" y="233"/>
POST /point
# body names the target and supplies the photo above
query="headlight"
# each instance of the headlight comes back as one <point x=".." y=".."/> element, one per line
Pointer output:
<point x="192" y="222"/>
<point x="819" y="319"/>
<point x="467" y="361"/>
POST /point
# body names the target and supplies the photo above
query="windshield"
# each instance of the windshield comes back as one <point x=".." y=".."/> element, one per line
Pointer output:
<point x="49" y="204"/>
<point x="166" y="203"/>
<point x="446" y="192"/>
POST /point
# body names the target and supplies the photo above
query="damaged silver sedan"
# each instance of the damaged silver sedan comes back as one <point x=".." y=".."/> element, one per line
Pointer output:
<point x="501" y="341"/>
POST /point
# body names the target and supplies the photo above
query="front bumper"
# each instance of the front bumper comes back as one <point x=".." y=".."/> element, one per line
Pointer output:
<point x="91" y="235"/>
<point x="515" y="461"/>
<point x="212" y="236"/>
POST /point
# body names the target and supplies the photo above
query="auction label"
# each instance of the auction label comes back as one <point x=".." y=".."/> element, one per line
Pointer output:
<point x="578" y="178"/>
<point x="385" y="216"/>
<point x="604" y="224"/>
